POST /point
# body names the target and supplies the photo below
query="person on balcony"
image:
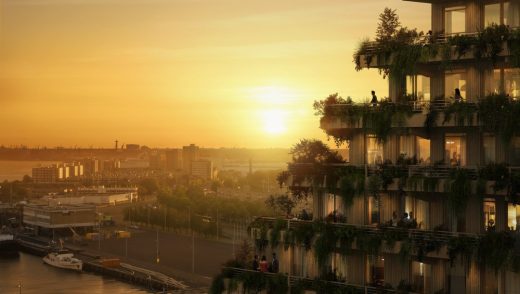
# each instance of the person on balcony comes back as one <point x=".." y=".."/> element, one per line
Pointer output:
<point x="395" y="219"/>
<point x="458" y="97"/>
<point x="263" y="264"/>
<point x="256" y="265"/>
<point x="275" y="265"/>
<point x="374" y="98"/>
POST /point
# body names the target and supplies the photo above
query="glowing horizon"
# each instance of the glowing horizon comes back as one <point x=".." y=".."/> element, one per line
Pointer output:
<point x="167" y="73"/>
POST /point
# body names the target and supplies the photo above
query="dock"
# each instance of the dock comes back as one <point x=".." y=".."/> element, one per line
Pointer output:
<point x="93" y="263"/>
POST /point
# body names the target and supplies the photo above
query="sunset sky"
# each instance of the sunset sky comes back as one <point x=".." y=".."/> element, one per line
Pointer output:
<point x="166" y="73"/>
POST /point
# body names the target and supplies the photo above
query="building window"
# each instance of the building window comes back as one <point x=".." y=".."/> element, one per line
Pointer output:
<point x="374" y="151"/>
<point x="492" y="14"/>
<point x="406" y="146"/>
<point x="376" y="270"/>
<point x="418" y="86"/>
<point x="513" y="217"/>
<point x="455" y="81"/>
<point x="373" y="210"/>
<point x="512" y="82"/>
<point x="488" y="144"/>
<point x="512" y="13"/>
<point x="455" y="150"/>
<point x="421" y="273"/>
<point x="489" y="214"/>
<point x="423" y="151"/>
<point x="455" y="20"/>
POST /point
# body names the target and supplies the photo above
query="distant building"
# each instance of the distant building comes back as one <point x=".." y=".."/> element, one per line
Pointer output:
<point x="90" y="166"/>
<point x="173" y="159"/>
<point x="109" y="165"/>
<point x="156" y="161"/>
<point x="96" y="195"/>
<point x="132" y="146"/>
<point x="44" y="218"/>
<point x="189" y="154"/>
<point x="202" y="169"/>
<point x="47" y="174"/>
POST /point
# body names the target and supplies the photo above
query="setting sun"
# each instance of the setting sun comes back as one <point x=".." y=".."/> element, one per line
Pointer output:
<point x="274" y="121"/>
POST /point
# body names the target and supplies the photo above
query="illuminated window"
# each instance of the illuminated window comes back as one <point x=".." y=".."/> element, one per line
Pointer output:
<point x="455" y="20"/>
<point x="406" y="146"/>
<point x="419" y="87"/>
<point x="421" y="272"/>
<point x="455" y="150"/>
<point x="423" y="151"/>
<point x="513" y="216"/>
<point x="376" y="270"/>
<point x="373" y="210"/>
<point x="512" y="13"/>
<point x="489" y="214"/>
<point x="512" y="82"/>
<point x="488" y="144"/>
<point x="374" y="151"/>
<point x="455" y="81"/>
<point x="492" y="14"/>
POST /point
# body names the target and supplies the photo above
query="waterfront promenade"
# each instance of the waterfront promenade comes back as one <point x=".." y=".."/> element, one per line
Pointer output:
<point x="175" y="255"/>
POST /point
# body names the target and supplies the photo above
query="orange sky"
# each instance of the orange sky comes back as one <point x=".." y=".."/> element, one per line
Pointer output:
<point x="165" y="73"/>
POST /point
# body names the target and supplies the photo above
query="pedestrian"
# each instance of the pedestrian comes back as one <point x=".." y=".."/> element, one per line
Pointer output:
<point x="263" y="264"/>
<point x="256" y="266"/>
<point x="275" y="265"/>
<point x="374" y="98"/>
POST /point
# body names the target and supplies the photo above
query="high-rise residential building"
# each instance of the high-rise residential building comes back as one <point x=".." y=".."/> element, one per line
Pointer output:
<point x="202" y="169"/>
<point x="173" y="159"/>
<point x="189" y="153"/>
<point x="428" y="202"/>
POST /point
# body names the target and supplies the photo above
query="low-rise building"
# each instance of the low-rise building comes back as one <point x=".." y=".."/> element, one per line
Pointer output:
<point x="45" y="218"/>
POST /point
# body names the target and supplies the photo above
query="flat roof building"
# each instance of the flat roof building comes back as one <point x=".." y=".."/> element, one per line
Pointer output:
<point x="62" y="216"/>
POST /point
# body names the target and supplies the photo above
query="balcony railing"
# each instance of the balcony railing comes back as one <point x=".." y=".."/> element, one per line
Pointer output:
<point x="427" y="171"/>
<point x="373" y="47"/>
<point x="416" y="235"/>
<point x="293" y="281"/>
<point x="417" y="106"/>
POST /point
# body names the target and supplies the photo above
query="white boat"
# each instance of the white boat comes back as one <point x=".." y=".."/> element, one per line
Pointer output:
<point x="63" y="260"/>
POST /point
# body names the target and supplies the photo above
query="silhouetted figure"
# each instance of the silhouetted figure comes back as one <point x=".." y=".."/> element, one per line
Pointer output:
<point x="458" y="97"/>
<point x="374" y="98"/>
<point x="403" y="222"/>
<point x="275" y="265"/>
<point x="394" y="220"/>
<point x="256" y="265"/>
<point x="263" y="264"/>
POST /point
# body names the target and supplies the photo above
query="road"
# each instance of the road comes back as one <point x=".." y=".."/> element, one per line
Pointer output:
<point x="175" y="254"/>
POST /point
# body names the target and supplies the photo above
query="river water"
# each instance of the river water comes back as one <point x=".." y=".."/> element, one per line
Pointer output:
<point x="37" y="277"/>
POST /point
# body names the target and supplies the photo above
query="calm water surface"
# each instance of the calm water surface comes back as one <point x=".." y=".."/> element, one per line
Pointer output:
<point x="37" y="277"/>
<point x="15" y="170"/>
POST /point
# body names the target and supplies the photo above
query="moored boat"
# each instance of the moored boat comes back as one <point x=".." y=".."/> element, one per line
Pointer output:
<point x="8" y="246"/>
<point x="63" y="260"/>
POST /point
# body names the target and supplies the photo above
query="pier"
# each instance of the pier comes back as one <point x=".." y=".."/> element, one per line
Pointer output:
<point x="94" y="263"/>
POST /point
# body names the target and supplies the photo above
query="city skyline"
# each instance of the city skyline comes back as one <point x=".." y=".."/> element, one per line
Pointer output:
<point x="153" y="73"/>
